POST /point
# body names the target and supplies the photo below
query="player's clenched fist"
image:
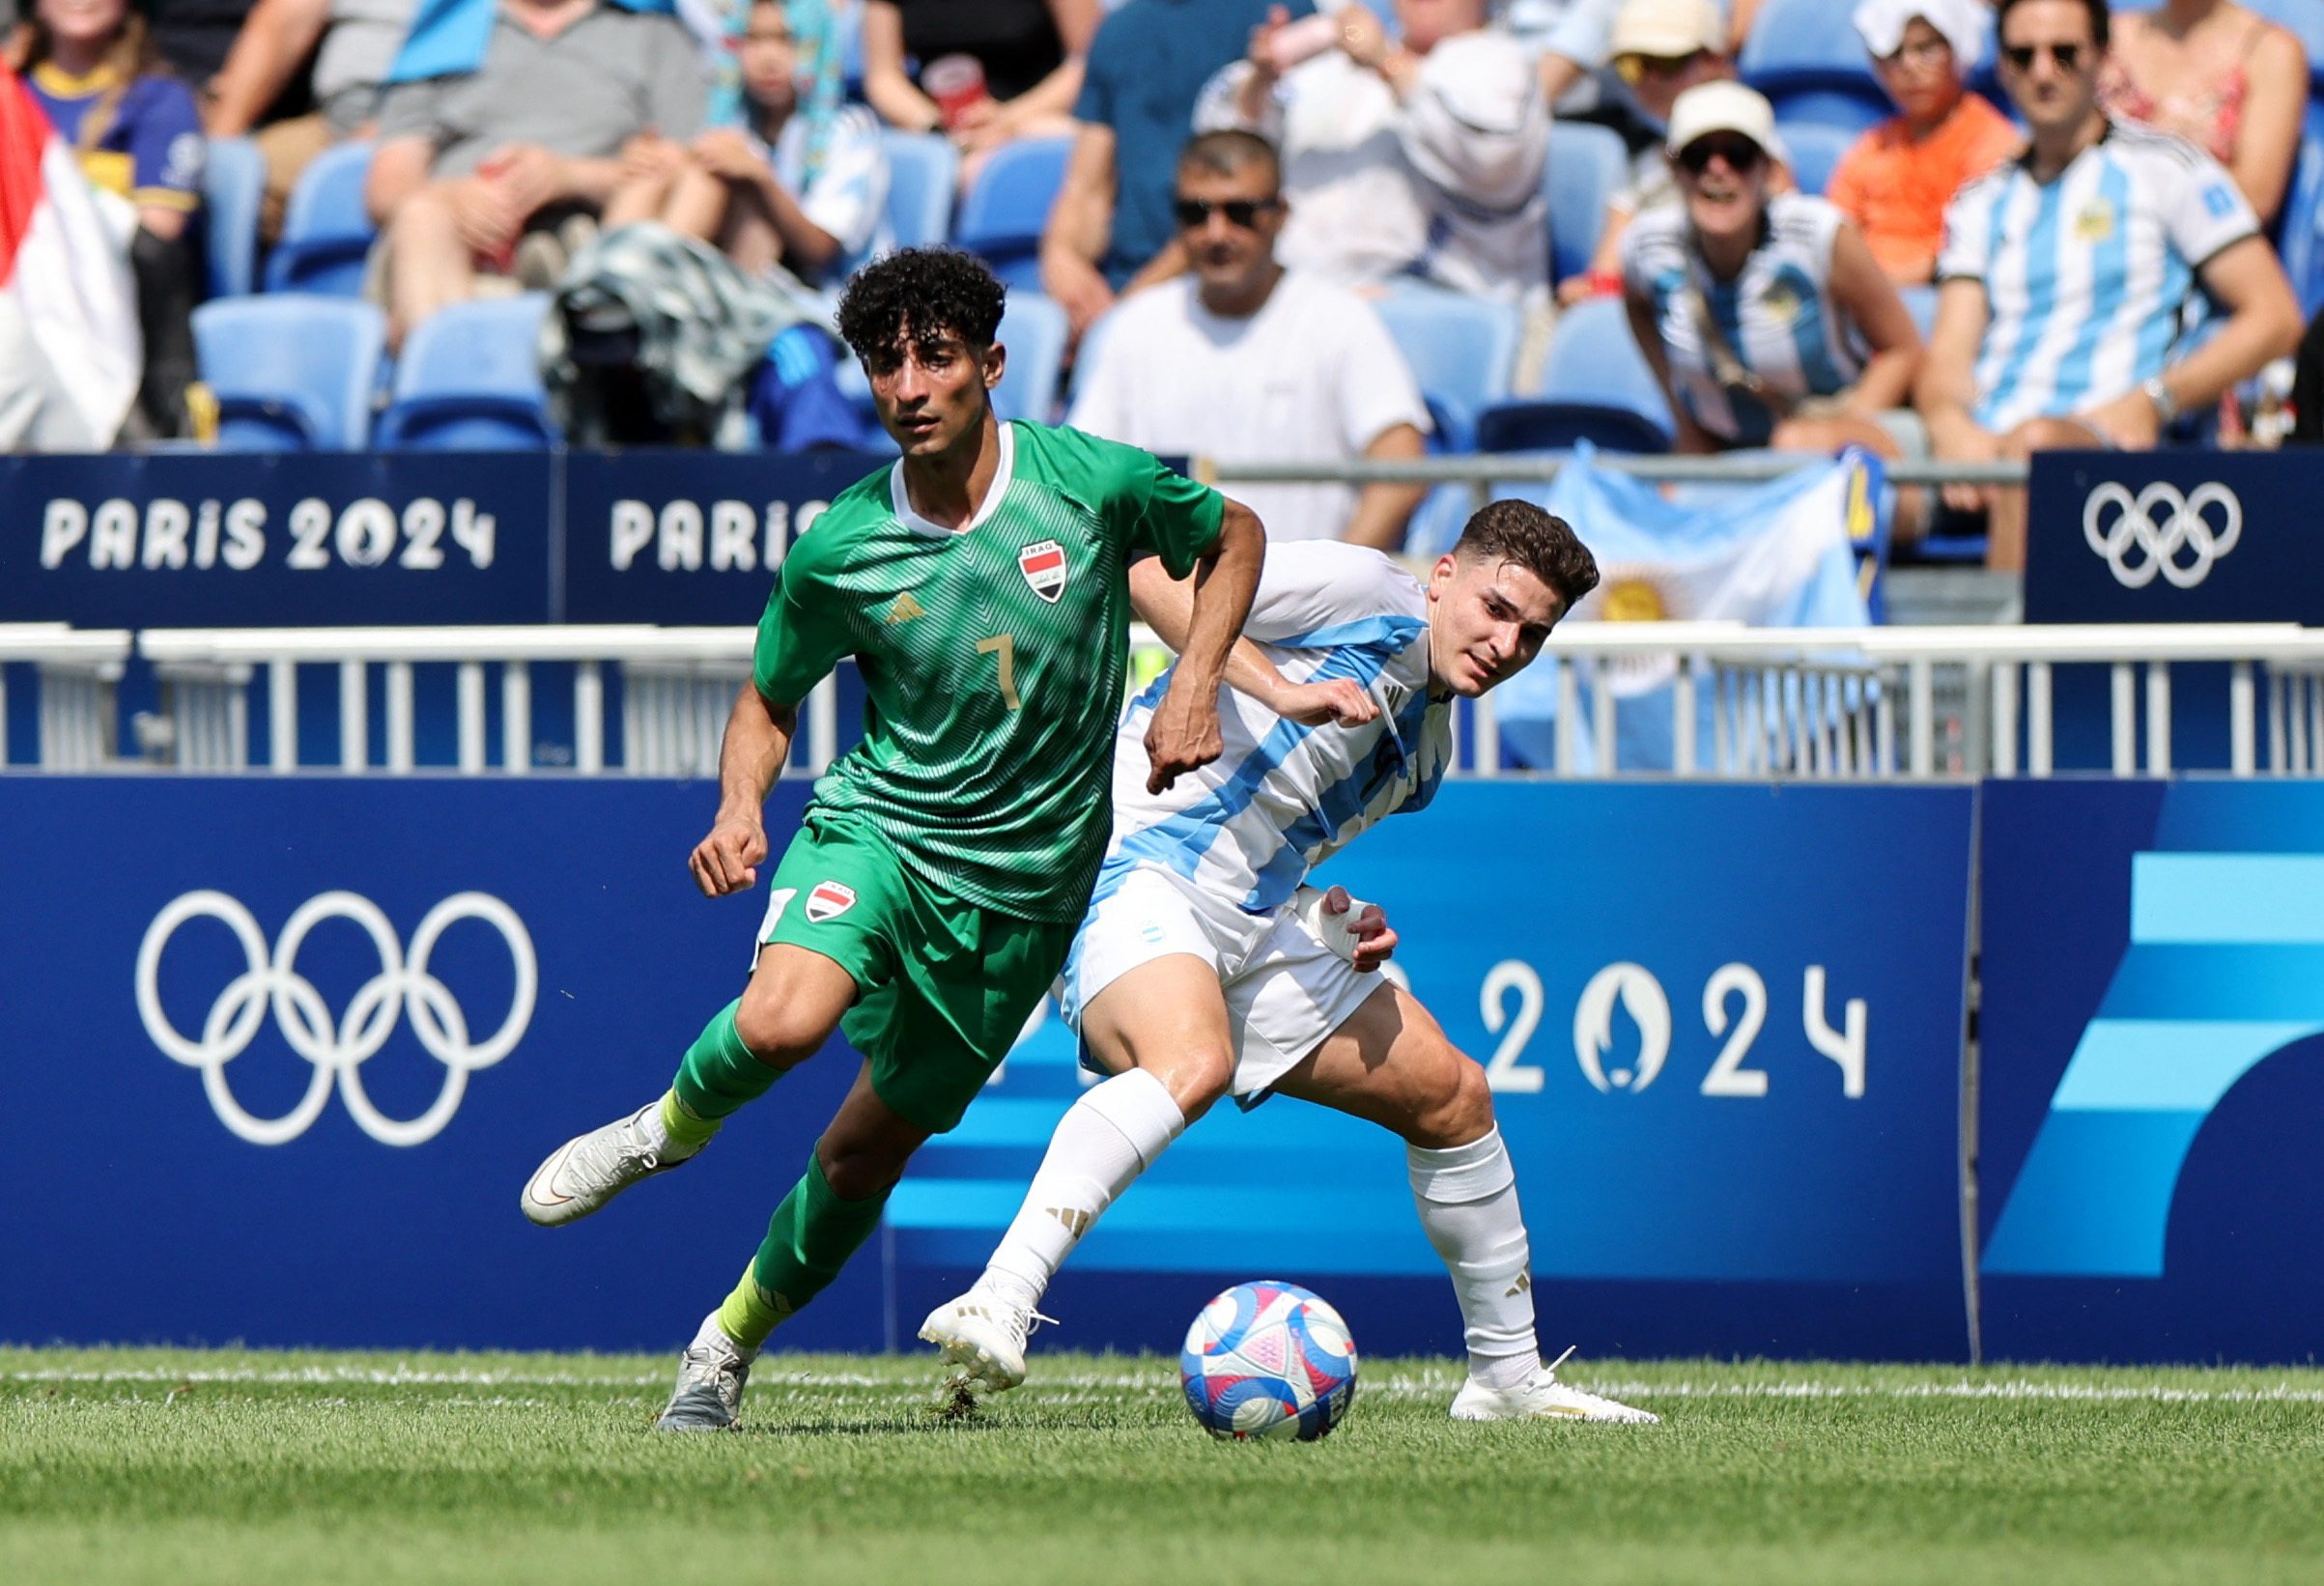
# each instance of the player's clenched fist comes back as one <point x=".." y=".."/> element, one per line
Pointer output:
<point x="727" y="860"/>
<point x="1183" y="736"/>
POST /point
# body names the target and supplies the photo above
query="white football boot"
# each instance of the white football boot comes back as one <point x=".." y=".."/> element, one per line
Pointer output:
<point x="712" y="1374"/>
<point x="590" y="1169"/>
<point x="983" y="1337"/>
<point x="1542" y="1397"/>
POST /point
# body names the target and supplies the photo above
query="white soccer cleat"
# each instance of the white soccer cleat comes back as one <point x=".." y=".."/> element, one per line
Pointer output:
<point x="590" y="1169"/>
<point x="982" y="1335"/>
<point x="712" y="1375"/>
<point x="1542" y="1397"/>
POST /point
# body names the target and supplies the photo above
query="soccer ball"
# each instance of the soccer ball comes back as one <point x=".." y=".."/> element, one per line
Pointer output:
<point x="1268" y="1359"/>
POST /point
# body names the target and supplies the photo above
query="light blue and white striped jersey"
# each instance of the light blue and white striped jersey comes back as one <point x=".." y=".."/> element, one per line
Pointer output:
<point x="1283" y="797"/>
<point x="2087" y="277"/>
<point x="1777" y="315"/>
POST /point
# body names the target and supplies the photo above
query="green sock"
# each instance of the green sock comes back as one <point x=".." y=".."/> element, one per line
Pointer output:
<point x="682" y="1125"/>
<point x="811" y="1235"/>
<point x="718" y="1076"/>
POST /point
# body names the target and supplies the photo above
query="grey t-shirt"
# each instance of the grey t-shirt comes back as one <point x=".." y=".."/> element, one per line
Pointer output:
<point x="360" y="43"/>
<point x="581" y="95"/>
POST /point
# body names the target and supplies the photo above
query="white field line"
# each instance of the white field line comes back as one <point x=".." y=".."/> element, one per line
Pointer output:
<point x="1419" y="1385"/>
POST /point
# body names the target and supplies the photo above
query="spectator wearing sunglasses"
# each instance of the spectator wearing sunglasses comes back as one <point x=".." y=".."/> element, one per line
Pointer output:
<point x="2233" y="84"/>
<point x="1895" y="181"/>
<point x="2065" y="273"/>
<point x="1763" y="314"/>
<point x="1660" y="49"/>
<point x="1422" y="153"/>
<point x="1242" y="360"/>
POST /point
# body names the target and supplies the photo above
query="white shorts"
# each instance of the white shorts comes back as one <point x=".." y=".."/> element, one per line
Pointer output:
<point x="1285" y="989"/>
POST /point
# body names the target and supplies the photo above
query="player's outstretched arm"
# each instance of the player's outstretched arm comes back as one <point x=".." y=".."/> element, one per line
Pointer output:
<point x="1166" y="604"/>
<point x="1183" y="733"/>
<point x="758" y="741"/>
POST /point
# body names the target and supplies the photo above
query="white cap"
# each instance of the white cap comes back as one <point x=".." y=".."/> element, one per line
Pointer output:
<point x="1723" y="107"/>
<point x="1880" y="24"/>
<point x="1667" y="30"/>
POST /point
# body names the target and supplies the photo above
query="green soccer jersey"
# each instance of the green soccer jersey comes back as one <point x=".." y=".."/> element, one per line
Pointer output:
<point x="993" y="656"/>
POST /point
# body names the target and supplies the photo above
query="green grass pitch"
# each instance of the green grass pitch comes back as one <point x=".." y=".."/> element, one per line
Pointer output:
<point x="257" y="1468"/>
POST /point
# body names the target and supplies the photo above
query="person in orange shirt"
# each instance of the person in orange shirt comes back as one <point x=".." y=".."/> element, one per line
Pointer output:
<point x="1896" y="179"/>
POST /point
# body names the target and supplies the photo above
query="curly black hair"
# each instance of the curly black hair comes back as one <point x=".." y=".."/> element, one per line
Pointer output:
<point x="921" y="294"/>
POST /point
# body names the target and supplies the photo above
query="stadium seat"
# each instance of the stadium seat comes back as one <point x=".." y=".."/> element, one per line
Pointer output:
<point x="327" y="232"/>
<point x="1815" y="148"/>
<point x="1587" y="164"/>
<point x="1596" y="385"/>
<point x="1033" y="330"/>
<point x="1807" y="57"/>
<point x="923" y="172"/>
<point x="1002" y="216"/>
<point x="469" y="380"/>
<point x="1462" y="350"/>
<point x="292" y="371"/>
<point x="234" y="184"/>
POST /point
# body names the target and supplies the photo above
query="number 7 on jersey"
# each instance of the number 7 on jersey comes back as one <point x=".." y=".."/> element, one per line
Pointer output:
<point x="1003" y="648"/>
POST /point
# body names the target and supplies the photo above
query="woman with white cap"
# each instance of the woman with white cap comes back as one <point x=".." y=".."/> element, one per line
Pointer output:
<point x="2231" y="83"/>
<point x="1896" y="179"/>
<point x="1763" y="314"/>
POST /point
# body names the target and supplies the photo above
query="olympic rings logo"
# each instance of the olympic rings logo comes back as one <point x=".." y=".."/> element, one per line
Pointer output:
<point x="338" y="1050"/>
<point x="2136" y="545"/>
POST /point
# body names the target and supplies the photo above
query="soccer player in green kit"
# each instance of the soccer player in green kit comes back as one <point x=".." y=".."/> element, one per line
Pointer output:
<point x="942" y="865"/>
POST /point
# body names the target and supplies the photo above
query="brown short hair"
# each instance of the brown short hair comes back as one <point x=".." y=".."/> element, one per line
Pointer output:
<point x="1539" y="542"/>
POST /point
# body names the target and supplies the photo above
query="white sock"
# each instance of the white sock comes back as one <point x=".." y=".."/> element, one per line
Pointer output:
<point x="1106" y="1140"/>
<point x="1467" y="1198"/>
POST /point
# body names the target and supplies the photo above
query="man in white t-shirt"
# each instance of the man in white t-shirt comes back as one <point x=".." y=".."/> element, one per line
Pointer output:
<point x="1243" y="361"/>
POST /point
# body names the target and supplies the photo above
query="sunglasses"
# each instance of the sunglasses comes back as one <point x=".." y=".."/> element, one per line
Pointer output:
<point x="1194" y="213"/>
<point x="2021" y="57"/>
<point x="1636" y="68"/>
<point x="1741" y="154"/>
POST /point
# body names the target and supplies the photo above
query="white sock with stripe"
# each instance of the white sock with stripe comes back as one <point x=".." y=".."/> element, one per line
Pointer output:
<point x="1104" y="1142"/>
<point x="1467" y="1198"/>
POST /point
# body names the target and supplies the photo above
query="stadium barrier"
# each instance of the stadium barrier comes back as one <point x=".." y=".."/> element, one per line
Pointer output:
<point x="1815" y="703"/>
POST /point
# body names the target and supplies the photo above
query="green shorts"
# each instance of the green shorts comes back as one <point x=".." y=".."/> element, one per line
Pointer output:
<point x="943" y="986"/>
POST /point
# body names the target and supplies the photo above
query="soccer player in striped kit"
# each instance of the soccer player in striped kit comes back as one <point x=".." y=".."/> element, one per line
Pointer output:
<point x="1207" y="967"/>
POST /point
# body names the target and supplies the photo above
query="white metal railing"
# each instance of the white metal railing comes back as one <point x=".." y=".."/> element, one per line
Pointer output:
<point x="678" y="686"/>
<point x="1816" y="703"/>
<point x="1826" y="702"/>
<point x="77" y="669"/>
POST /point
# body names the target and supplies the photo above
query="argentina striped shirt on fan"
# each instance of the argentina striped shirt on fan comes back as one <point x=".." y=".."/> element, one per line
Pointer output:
<point x="2087" y="277"/>
<point x="1281" y="798"/>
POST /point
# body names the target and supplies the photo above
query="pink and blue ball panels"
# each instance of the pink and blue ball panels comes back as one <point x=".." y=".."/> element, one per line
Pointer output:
<point x="1268" y="1359"/>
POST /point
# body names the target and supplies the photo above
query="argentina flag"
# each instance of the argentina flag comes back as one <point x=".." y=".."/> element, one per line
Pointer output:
<point x="1782" y="554"/>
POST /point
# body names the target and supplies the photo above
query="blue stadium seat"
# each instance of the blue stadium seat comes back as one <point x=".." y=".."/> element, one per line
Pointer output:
<point x="293" y="371"/>
<point x="327" y="232"/>
<point x="1815" y="147"/>
<point x="1462" y="350"/>
<point x="234" y="184"/>
<point x="469" y="380"/>
<point x="923" y="172"/>
<point x="1587" y="164"/>
<point x="1033" y="330"/>
<point x="1002" y="215"/>
<point x="1807" y="57"/>
<point x="1596" y="385"/>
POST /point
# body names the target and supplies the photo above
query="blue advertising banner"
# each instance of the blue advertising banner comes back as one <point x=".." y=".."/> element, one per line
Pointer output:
<point x="2174" y="536"/>
<point x="2151" y="1090"/>
<point x="292" y="1044"/>
<point x="256" y="540"/>
<point x="688" y="537"/>
<point x="1724" y="1029"/>
<point x="296" y="1044"/>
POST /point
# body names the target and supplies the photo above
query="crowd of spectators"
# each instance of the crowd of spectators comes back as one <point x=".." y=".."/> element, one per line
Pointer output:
<point x="1246" y="178"/>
